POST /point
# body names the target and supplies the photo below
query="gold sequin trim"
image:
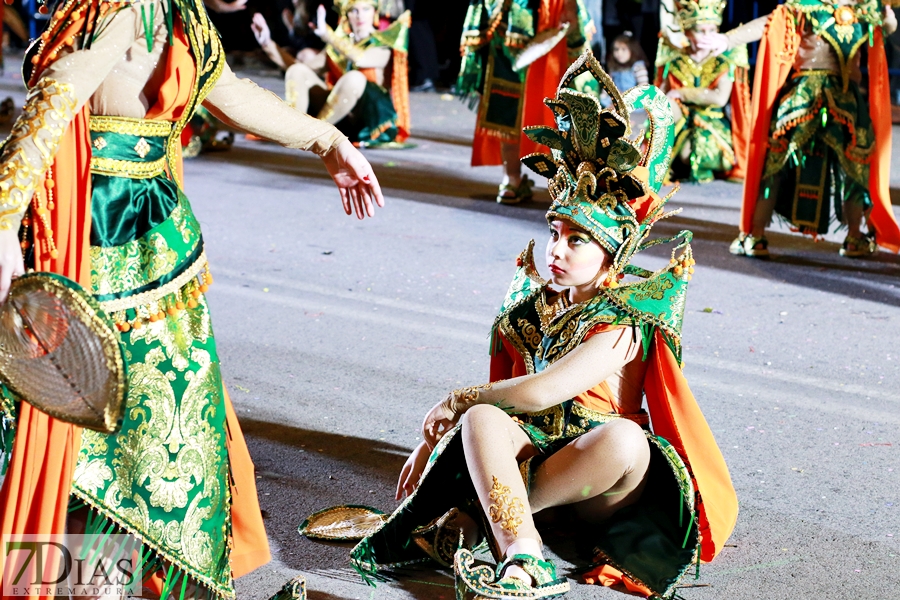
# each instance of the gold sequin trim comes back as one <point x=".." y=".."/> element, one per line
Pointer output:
<point x="126" y="168"/>
<point x="49" y="107"/>
<point x="111" y="306"/>
<point x="131" y="126"/>
<point x="505" y="509"/>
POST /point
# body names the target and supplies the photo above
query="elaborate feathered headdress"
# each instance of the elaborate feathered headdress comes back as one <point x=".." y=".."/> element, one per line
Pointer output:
<point x="602" y="183"/>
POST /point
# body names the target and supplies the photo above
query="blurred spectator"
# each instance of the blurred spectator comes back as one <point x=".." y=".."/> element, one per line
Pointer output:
<point x="423" y="57"/>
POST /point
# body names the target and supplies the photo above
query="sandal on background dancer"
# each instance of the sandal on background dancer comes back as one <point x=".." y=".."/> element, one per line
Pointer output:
<point x="514" y="194"/>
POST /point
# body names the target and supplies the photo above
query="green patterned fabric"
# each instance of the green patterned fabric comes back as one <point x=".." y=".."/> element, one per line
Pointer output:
<point x="820" y="143"/>
<point x="164" y="476"/>
<point x="376" y="116"/>
<point x="494" y="33"/>
<point x="845" y="26"/>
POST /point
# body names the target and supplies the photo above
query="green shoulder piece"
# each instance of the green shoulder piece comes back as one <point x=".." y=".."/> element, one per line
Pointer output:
<point x="657" y="303"/>
<point x="525" y="284"/>
<point x="395" y="37"/>
<point x="666" y="53"/>
<point x="737" y="57"/>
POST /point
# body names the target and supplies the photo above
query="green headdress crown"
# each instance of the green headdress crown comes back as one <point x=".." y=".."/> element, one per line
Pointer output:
<point x="602" y="183"/>
<point x="694" y="12"/>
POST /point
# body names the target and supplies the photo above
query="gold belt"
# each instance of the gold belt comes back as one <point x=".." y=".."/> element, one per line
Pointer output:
<point x="129" y="126"/>
<point x="127" y="168"/>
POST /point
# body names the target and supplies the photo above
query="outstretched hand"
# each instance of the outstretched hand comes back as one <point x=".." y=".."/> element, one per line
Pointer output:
<point x="716" y="43"/>
<point x="11" y="263"/>
<point x="355" y="180"/>
<point x="261" y="30"/>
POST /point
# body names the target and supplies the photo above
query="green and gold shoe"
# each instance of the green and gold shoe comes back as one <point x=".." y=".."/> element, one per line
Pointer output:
<point x="488" y="585"/>
<point x="858" y="247"/>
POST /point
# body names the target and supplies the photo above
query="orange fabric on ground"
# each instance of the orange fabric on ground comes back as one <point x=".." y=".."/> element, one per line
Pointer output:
<point x="887" y="232"/>
<point x="675" y="416"/>
<point x="608" y="576"/>
<point x="777" y="51"/>
<point x="250" y="548"/>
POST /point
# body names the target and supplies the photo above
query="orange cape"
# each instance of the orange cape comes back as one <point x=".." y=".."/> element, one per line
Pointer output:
<point x="35" y="494"/>
<point x="777" y="52"/>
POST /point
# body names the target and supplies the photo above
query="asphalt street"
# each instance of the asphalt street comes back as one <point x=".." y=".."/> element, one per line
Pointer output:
<point x="336" y="336"/>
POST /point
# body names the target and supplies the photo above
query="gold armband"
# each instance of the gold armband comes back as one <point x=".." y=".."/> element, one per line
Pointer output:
<point x="49" y="106"/>
<point x="458" y="401"/>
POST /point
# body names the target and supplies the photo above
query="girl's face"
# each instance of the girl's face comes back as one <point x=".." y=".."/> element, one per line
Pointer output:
<point x="574" y="258"/>
<point x="621" y="53"/>
<point x="362" y="19"/>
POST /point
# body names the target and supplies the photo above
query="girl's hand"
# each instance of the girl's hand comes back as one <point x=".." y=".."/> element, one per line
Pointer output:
<point x="11" y="263"/>
<point x="261" y="30"/>
<point x="320" y="27"/>
<point x="412" y="471"/>
<point x="716" y="43"/>
<point x="355" y="180"/>
<point x="438" y="421"/>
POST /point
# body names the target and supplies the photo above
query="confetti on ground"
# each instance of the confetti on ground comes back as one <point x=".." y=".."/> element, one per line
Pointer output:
<point x="708" y="309"/>
<point x="243" y="389"/>
<point x="266" y="290"/>
<point x="390" y="163"/>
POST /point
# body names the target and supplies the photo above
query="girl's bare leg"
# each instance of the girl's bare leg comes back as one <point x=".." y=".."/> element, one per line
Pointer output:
<point x="298" y="81"/>
<point x="599" y="473"/>
<point x="765" y="207"/>
<point x="493" y="445"/>
<point x="343" y="97"/>
<point x="853" y="216"/>
<point x="512" y="168"/>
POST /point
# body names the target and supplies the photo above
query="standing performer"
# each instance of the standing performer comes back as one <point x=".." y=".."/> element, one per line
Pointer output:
<point x="816" y="139"/>
<point x="366" y="94"/>
<point x="701" y="84"/>
<point x="560" y="430"/>
<point x="90" y="178"/>
<point x="513" y="55"/>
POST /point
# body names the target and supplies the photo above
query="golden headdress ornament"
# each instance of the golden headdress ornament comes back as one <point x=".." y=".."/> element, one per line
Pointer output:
<point x="695" y="12"/>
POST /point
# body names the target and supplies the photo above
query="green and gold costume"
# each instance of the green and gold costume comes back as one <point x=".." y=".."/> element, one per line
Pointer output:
<point x="821" y="139"/>
<point x="603" y="185"/>
<point x="495" y="34"/>
<point x="705" y="129"/>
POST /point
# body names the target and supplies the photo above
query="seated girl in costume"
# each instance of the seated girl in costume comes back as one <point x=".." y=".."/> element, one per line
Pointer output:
<point x="560" y="430"/>
<point x="365" y="91"/>
<point x="700" y="85"/>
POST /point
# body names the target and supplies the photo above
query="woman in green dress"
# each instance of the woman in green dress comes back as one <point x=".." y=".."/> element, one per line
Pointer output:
<point x="90" y="188"/>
